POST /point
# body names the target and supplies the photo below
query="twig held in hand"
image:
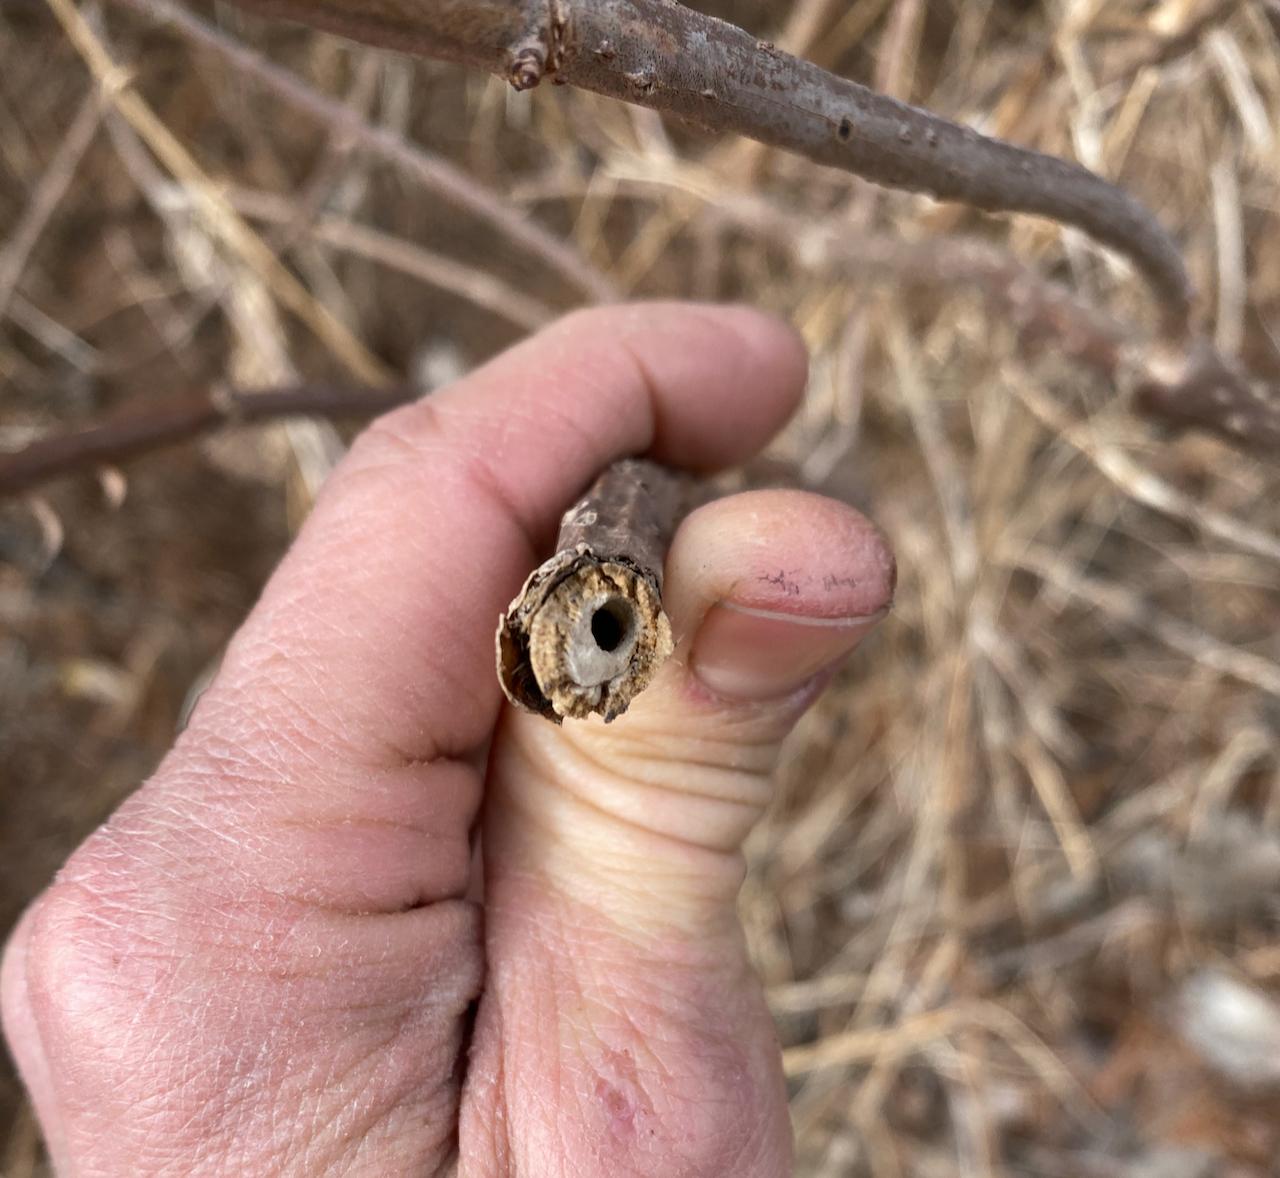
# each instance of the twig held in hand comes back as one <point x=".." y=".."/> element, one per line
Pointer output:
<point x="587" y="632"/>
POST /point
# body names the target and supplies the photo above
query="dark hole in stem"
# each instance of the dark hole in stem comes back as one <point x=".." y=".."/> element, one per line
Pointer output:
<point x="609" y="625"/>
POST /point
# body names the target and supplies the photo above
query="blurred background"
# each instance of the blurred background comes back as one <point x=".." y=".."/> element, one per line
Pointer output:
<point x="1017" y="901"/>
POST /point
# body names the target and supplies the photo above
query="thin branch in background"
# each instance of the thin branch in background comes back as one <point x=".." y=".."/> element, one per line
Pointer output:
<point x="78" y="353"/>
<point x="178" y="419"/>
<point x="339" y="161"/>
<point x="1044" y="313"/>
<point x="1271" y="10"/>
<point x="1233" y="277"/>
<point x="1041" y="312"/>
<point x="1176" y="386"/>
<point x="939" y="459"/>
<point x="48" y="192"/>
<point x="433" y="172"/>
<point x="396" y="253"/>
<point x="278" y="210"/>
<point x="1204" y="390"/>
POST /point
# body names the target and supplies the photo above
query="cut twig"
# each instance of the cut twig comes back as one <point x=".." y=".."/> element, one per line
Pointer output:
<point x="181" y="418"/>
<point x="587" y="632"/>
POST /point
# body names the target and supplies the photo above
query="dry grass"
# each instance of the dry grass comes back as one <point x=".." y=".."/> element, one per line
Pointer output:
<point x="1025" y="858"/>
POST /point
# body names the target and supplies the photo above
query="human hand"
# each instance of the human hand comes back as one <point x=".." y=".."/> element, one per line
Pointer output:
<point x="269" y="961"/>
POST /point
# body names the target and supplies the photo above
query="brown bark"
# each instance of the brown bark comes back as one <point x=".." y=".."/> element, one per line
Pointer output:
<point x="662" y="55"/>
<point x="587" y="632"/>
<point x="1188" y="385"/>
<point x="178" y="419"/>
<point x="1202" y="390"/>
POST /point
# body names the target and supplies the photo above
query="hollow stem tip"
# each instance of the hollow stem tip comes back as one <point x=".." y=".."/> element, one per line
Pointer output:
<point x="585" y="637"/>
<point x="587" y="632"/>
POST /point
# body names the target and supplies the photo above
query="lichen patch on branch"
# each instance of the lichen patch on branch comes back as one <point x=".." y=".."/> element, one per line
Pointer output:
<point x="539" y="53"/>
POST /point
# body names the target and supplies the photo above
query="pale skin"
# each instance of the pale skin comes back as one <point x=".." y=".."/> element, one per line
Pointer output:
<point x="279" y="956"/>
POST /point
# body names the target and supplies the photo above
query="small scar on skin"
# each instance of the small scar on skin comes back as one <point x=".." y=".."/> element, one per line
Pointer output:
<point x="621" y="1096"/>
<point x="621" y="1111"/>
<point x="831" y="581"/>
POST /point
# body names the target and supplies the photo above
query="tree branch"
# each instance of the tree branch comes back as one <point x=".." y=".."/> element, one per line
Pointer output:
<point x="639" y="50"/>
<point x="179" y="419"/>
<point x="665" y="56"/>
<point x="1188" y="385"/>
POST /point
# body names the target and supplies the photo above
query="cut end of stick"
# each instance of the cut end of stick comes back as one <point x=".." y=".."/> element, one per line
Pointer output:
<point x="584" y="637"/>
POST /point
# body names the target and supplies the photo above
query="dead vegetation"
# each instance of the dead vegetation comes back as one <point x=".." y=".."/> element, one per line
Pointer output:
<point x="1017" y="902"/>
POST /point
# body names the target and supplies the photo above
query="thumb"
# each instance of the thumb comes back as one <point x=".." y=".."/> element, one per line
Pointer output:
<point x="613" y="861"/>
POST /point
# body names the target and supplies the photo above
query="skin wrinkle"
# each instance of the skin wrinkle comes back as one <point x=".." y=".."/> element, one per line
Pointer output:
<point x="320" y="758"/>
<point x="478" y="709"/>
<point x="699" y="853"/>
<point x="281" y="925"/>
<point x="513" y="432"/>
<point x="179" y="1036"/>
<point x="722" y="820"/>
<point x="261" y="752"/>
<point x="658" y="433"/>
<point x="257" y="892"/>
<point x="596" y="761"/>
<point x="639" y="889"/>
<point x="648" y="763"/>
<point x="307" y="730"/>
<point x="355" y="1124"/>
<point x="265" y="845"/>
<point x="582" y="762"/>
